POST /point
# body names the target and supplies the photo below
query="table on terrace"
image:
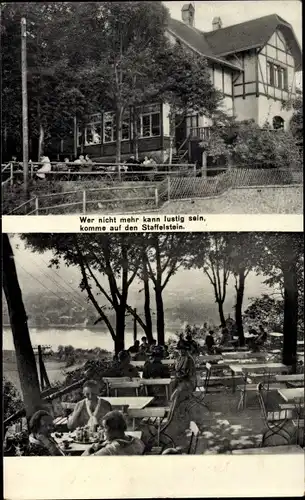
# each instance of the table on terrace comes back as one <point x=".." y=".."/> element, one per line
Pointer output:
<point x="292" y="395"/>
<point x="244" y="369"/>
<point x="80" y="448"/>
<point x="140" y="364"/>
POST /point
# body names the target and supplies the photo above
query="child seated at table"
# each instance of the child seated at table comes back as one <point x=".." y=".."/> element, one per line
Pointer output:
<point x="117" y="442"/>
<point x="91" y="409"/>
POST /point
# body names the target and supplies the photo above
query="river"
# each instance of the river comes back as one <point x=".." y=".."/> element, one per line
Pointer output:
<point x="82" y="338"/>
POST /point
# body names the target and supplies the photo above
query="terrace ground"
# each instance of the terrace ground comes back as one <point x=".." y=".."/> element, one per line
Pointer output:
<point x="224" y="428"/>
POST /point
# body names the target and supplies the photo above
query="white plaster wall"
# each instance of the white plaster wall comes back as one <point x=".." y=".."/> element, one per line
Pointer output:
<point x="268" y="108"/>
<point x="227" y="82"/>
<point x="246" y="109"/>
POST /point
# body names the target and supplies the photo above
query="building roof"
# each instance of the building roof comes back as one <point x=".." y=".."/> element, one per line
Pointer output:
<point x="217" y="44"/>
<point x="195" y="39"/>
<point x="252" y="34"/>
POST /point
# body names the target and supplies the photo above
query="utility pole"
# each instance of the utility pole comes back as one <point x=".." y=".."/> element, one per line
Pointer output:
<point x="25" y="128"/>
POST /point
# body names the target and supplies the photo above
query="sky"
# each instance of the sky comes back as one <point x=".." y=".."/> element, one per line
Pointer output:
<point x="240" y="11"/>
<point x="184" y="287"/>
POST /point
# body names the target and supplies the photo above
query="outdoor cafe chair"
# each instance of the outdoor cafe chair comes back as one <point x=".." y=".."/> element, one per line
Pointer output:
<point x="192" y="448"/>
<point x="202" y="387"/>
<point x="275" y="421"/>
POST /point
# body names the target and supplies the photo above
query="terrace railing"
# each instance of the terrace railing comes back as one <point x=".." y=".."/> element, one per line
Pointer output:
<point x="154" y="188"/>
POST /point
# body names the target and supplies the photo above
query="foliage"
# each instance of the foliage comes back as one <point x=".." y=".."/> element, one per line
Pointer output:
<point x="248" y="145"/>
<point x="296" y="121"/>
<point x="12" y="401"/>
<point x="126" y="60"/>
<point x="54" y="93"/>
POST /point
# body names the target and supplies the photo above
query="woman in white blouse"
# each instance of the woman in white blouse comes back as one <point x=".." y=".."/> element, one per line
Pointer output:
<point x="91" y="410"/>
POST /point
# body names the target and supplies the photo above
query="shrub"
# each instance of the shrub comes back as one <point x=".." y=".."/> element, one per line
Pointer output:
<point x="12" y="401"/>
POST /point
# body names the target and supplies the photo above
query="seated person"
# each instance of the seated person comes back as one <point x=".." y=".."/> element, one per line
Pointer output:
<point x="90" y="410"/>
<point x="225" y="337"/>
<point x="154" y="368"/>
<point x="135" y="348"/>
<point x="165" y="352"/>
<point x="124" y="367"/>
<point x="41" y="442"/>
<point x="180" y="341"/>
<point x="142" y="355"/>
<point x="116" y="441"/>
<point x="262" y="336"/>
<point x="152" y="345"/>
<point x="144" y="346"/>
<point x="185" y="367"/>
<point x="209" y="342"/>
<point x="192" y="343"/>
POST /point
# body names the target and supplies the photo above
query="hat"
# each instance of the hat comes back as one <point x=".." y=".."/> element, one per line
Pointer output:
<point x="157" y="351"/>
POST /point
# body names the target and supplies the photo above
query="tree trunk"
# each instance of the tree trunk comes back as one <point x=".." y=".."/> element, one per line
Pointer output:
<point x="40" y="142"/>
<point x="119" y="342"/>
<point x="119" y="114"/>
<point x="135" y="135"/>
<point x="160" y="315"/>
<point x="240" y="288"/>
<point x="149" y="332"/>
<point x="221" y="313"/>
<point x="147" y="311"/>
<point x="290" y="315"/>
<point x="26" y="363"/>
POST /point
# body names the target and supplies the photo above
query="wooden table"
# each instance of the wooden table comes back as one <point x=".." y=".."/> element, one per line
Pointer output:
<point x="134" y="402"/>
<point x="296" y="377"/>
<point x="293" y="395"/>
<point x="80" y="448"/>
<point x="244" y="369"/>
<point x="300" y="342"/>
<point x="276" y="334"/>
<point x="270" y="450"/>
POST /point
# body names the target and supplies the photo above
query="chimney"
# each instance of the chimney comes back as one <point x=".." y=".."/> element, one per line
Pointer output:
<point x="188" y="14"/>
<point x="216" y="23"/>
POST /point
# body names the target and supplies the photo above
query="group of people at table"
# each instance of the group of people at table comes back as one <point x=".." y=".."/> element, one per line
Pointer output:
<point x="95" y="413"/>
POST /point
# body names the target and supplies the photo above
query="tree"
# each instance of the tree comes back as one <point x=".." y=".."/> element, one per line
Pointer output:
<point x="242" y="252"/>
<point x="166" y="253"/>
<point x="210" y="253"/>
<point x="116" y="257"/>
<point x="26" y="363"/>
<point x="296" y="121"/>
<point x="185" y="84"/>
<point x="57" y="91"/>
<point x="281" y="258"/>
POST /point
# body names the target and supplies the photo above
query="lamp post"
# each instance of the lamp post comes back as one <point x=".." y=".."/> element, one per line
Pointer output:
<point x="25" y="128"/>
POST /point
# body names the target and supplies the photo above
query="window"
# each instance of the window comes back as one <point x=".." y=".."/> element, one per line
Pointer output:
<point x="110" y="127"/>
<point x="277" y="76"/>
<point x="93" y="130"/>
<point x="149" y="122"/>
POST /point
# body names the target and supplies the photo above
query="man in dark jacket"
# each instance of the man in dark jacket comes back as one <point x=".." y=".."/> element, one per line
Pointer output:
<point x="154" y="368"/>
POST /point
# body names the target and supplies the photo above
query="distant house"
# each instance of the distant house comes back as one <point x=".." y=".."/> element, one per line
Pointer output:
<point x="253" y="63"/>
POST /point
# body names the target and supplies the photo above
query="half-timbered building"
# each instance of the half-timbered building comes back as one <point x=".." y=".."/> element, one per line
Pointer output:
<point x="253" y="63"/>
